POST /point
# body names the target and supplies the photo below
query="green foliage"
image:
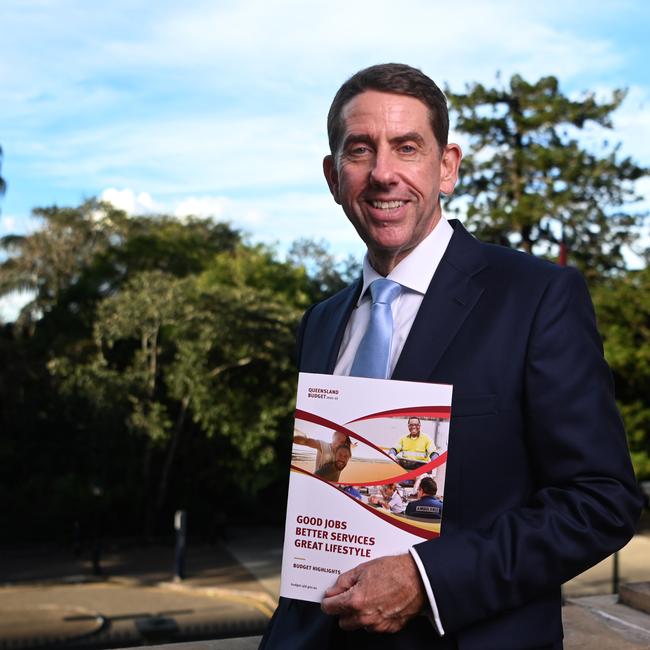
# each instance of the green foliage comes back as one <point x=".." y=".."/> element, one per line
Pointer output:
<point x="84" y="253"/>
<point x="205" y="348"/>
<point x="528" y="180"/>
<point x="623" y="309"/>
<point x="152" y="367"/>
<point x="256" y="266"/>
<point x="325" y="274"/>
<point x="52" y="259"/>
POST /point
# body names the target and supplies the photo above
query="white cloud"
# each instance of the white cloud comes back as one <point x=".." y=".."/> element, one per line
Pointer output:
<point x="632" y="124"/>
<point x="129" y="201"/>
<point x="205" y="154"/>
<point x="93" y="57"/>
<point x="8" y="223"/>
<point x="263" y="38"/>
<point x="272" y="218"/>
<point x="207" y="206"/>
<point x="219" y="108"/>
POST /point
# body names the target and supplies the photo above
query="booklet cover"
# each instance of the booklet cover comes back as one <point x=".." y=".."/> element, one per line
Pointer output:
<point x="367" y="475"/>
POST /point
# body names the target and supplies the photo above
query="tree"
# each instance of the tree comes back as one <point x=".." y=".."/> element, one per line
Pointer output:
<point x="623" y="308"/>
<point x="530" y="182"/>
<point x="157" y="367"/>
<point x="3" y="184"/>
<point x="193" y="353"/>
<point x="53" y="259"/>
<point x="326" y="274"/>
<point x="84" y="253"/>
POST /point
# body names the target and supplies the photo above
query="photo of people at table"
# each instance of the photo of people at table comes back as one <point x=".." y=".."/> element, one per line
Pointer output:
<point x="419" y="501"/>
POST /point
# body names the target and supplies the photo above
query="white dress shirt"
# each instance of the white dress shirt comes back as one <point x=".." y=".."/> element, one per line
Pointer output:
<point x="414" y="273"/>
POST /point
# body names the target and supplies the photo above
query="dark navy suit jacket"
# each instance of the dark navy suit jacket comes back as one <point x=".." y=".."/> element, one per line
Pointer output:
<point x="539" y="484"/>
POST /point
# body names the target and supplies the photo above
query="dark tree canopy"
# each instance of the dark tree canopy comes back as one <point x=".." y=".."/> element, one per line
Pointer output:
<point x="153" y="365"/>
<point x="623" y="307"/>
<point x="528" y="180"/>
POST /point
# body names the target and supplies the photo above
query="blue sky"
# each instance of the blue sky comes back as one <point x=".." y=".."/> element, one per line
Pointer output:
<point x="219" y="107"/>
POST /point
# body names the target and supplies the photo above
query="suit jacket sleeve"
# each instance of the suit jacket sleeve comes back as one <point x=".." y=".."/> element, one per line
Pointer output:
<point x="584" y="504"/>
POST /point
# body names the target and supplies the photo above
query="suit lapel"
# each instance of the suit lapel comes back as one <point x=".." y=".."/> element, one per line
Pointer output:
<point x="325" y="329"/>
<point x="450" y="298"/>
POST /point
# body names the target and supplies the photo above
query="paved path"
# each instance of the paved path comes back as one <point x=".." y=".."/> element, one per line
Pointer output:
<point x="49" y="596"/>
<point x="231" y="590"/>
<point x="634" y="566"/>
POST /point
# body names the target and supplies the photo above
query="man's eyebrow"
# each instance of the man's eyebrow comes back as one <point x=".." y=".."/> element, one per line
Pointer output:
<point x="356" y="138"/>
<point x="412" y="136"/>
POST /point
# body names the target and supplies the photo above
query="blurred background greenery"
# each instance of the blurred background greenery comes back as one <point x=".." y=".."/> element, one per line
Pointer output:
<point x="150" y="368"/>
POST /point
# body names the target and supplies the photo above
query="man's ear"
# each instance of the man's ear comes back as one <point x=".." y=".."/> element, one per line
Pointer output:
<point x="332" y="176"/>
<point x="449" y="166"/>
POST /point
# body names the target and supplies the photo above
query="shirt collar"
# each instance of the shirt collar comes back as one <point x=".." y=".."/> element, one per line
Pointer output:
<point x="415" y="271"/>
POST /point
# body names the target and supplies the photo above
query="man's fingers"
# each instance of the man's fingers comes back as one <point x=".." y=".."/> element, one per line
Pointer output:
<point x="379" y="596"/>
<point x="348" y="607"/>
<point x="337" y="604"/>
<point x="344" y="582"/>
<point x="342" y="599"/>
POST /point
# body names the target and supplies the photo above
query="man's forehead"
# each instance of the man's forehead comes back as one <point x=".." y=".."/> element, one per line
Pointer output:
<point x="374" y="106"/>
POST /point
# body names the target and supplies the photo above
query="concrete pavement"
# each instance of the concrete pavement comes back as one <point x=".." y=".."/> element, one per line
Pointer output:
<point x="634" y="566"/>
<point x="47" y="596"/>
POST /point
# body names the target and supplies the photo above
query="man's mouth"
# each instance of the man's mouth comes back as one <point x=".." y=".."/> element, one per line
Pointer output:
<point x="387" y="205"/>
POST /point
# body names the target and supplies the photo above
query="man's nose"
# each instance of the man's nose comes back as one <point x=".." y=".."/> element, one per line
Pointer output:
<point x="383" y="171"/>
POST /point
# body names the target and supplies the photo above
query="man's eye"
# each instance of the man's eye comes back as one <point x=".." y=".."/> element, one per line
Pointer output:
<point x="407" y="148"/>
<point x="358" y="150"/>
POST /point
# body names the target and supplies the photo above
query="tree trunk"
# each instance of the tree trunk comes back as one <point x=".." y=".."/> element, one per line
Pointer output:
<point x="171" y="455"/>
<point x="147" y="509"/>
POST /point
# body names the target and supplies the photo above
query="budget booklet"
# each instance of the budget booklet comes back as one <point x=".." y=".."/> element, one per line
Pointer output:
<point x="367" y="475"/>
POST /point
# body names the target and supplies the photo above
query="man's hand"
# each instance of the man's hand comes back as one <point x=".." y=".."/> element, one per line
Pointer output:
<point x="380" y="595"/>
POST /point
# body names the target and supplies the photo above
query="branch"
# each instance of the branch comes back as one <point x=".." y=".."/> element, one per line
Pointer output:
<point x="228" y="366"/>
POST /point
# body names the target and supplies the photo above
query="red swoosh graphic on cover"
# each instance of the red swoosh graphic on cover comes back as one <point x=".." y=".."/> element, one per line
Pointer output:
<point x="403" y="525"/>
<point x="405" y="475"/>
<point x="442" y="412"/>
<point x="317" y="419"/>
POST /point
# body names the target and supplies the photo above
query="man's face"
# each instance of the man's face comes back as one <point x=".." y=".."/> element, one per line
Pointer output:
<point x="414" y="428"/>
<point x="341" y="457"/>
<point x="389" y="172"/>
<point x="338" y="439"/>
<point x="388" y="490"/>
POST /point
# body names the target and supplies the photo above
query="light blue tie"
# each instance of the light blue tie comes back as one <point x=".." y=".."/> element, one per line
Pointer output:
<point x="373" y="354"/>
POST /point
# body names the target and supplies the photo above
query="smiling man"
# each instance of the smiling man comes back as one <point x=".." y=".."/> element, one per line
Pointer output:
<point x="388" y="172"/>
<point x="533" y="409"/>
<point x="416" y="446"/>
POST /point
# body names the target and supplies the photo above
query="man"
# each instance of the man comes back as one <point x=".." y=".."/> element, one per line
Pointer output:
<point x="415" y="446"/>
<point x="331" y="471"/>
<point x="532" y="398"/>
<point x="325" y="451"/>
<point x="390" y="499"/>
<point x="426" y="505"/>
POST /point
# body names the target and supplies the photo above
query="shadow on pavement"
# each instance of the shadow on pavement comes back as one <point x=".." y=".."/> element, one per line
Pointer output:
<point x="49" y="597"/>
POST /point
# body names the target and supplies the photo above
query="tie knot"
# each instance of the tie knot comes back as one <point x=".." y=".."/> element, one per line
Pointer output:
<point x="384" y="290"/>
